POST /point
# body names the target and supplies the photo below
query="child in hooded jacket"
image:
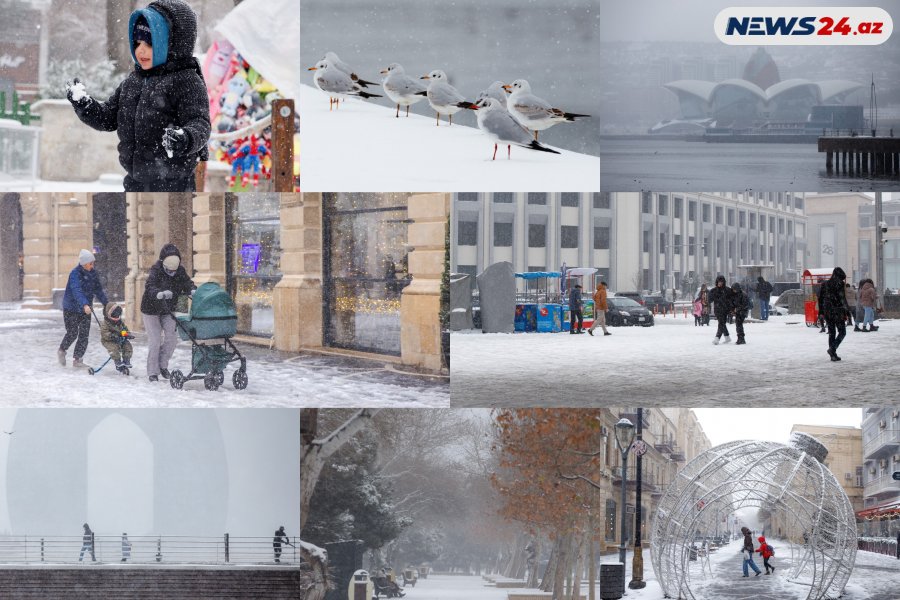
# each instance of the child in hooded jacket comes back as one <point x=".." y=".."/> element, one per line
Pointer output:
<point x="114" y="336"/>
<point x="765" y="550"/>
<point x="161" y="110"/>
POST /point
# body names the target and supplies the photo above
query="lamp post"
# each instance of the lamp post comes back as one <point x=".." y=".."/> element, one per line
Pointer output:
<point x="624" y="438"/>
<point x="637" y="562"/>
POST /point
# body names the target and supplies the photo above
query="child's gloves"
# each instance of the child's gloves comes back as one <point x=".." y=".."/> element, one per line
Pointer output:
<point x="164" y="295"/>
<point x="76" y="94"/>
<point x="175" y="141"/>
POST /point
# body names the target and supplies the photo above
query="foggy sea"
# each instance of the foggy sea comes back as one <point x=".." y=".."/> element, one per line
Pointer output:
<point x="555" y="46"/>
<point x="675" y="165"/>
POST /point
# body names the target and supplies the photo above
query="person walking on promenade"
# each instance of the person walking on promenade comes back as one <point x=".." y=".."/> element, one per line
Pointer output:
<point x="764" y="291"/>
<point x="720" y="297"/>
<point x="87" y="543"/>
<point x="833" y="307"/>
<point x="740" y="303"/>
<point x="767" y="552"/>
<point x="747" y="552"/>
<point x="868" y="297"/>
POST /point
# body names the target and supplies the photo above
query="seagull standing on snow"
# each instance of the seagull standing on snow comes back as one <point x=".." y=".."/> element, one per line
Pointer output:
<point x="533" y="112"/>
<point x="503" y="128"/>
<point x="337" y="84"/>
<point x="402" y="89"/>
<point x="495" y="91"/>
<point x="340" y="65"/>
<point x="443" y="97"/>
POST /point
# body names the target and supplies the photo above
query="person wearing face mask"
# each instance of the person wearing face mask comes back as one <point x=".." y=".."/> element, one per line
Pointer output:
<point x="166" y="281"/>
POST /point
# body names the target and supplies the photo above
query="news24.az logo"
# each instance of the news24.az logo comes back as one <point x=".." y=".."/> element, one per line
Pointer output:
<point x="803" y="26"/>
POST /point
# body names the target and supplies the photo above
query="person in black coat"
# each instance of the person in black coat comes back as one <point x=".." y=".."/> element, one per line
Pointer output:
<point x="720" y="297"/>
<point x="834" y="308"/>
<point x="280" y="538"/>
<point x="161" y="110"/>
<point x="575" y="306"/>
<point x="166" y="281"/>
<point x="764" y="291"/>
<point x="740" y="306"/>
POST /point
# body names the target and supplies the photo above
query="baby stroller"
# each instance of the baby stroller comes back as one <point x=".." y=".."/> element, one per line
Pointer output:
<point x="210" y="326"/>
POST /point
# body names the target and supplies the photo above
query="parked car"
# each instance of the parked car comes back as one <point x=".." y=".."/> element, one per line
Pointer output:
<point x="636" y="296"/>
<point x="659" y="304"/>
<point x="625" y="311"/>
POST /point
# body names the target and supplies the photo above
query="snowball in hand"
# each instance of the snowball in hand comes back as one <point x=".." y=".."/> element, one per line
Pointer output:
<point x="78" y="91"/>
<point x="170" y="140"/>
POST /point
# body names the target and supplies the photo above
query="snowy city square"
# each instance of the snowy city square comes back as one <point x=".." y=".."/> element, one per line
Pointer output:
<point x="796" y="504"/>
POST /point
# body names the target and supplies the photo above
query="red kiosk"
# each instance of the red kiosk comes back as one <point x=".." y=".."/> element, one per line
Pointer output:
<point x="811" y="280"/>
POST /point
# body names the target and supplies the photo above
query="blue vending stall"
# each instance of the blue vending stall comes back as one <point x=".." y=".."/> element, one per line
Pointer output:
<point x="538" y="312"/>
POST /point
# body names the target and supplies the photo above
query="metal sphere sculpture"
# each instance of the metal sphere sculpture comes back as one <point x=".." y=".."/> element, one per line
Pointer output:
<point x="817" y="542"/>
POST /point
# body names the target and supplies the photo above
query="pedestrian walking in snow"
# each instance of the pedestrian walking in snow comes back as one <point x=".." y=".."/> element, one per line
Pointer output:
<point x="126" y="548"/>
<point x="575" y="306"/>
<point x="850" y="294"/>
<point x="161" y="110"/>
<point x="720" y="297"/>
<point x="740" y="303"/>
<point x="697" y="312"/>
<point x="767" y="552"/>
<point x="868" y="297"/>
<point x="81" y="289"/>
<point x="898" y="545"/>
<point x="280" y="538"/>
<point x="115" y="336"/>
<point x="87" y="543"/>
<point x="747" y="552"/>
<point x="166" y="281"/>
<point x="764" y="292"/>
<point x="703" y="296"/>
<point x="600" y="308"/>
<point x="833" y="307"/>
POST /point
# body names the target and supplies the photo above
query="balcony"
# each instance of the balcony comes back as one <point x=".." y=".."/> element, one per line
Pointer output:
<point x="664" y="445"/>
<point x="883" y="443"/>
<point x="648" y="485"/>
<point x="677" y="453"/>
<point x="883" y="487"/>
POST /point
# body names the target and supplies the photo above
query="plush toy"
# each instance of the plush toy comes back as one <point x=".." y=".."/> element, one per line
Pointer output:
<point x="236" y="95"/>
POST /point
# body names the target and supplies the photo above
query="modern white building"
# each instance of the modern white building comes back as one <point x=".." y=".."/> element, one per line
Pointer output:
<point x="636" y="240"/>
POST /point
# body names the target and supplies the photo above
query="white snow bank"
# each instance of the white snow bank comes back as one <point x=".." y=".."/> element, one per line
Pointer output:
<point x="106" y="183"/>
<point x="362" y="147"/>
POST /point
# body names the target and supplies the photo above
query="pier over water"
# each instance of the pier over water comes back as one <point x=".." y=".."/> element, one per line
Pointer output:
<point x="862" y="156"/>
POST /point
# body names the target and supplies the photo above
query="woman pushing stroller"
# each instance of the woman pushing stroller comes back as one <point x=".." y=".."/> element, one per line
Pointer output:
<point x="166" y="281"/>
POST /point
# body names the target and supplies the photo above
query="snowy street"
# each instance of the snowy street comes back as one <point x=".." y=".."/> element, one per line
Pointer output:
<point x="29" y="339"/>
<point x="875" y="577"/>
<point x="675" y="363"/>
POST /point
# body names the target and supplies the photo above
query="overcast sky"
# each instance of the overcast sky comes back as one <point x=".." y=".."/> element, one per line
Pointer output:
<point x="664" y="20"/>
<point x="773" y="424"/>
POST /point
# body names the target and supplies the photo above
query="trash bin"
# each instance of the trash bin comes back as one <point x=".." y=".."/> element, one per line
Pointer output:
<point x="360" y="587"/>
<point x="612" y="581"/>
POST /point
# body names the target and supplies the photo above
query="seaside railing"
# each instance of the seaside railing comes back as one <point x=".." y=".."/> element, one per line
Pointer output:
<point x="146" y="549"/>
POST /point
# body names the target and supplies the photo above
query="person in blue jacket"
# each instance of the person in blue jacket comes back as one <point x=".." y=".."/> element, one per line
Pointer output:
<point x="83" y="286"/>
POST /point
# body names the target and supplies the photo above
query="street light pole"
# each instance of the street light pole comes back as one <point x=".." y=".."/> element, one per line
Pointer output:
<point x="637" y="562"/>
<point x="624" y="438"/>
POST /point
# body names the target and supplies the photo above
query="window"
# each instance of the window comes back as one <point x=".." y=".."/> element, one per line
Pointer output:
<point x="467" y="197"/>
<point x="719" y="218"/>
<point x="752" y="220"/>
<point x="692" y="210"/>
<point x="647" y="203"/>
<point x="503" y="233"/>
<point x="676" y="246"/>
<point x="601" y="238"/>
<point x="780" y="225"/>
<point x="467" y="233"/>
<point x="719" y="244"/>
<point x="503" y="197"/>
<point x="569" y="199"/>
<point x="537" y="235"/>
<point x="678" y="207"/>
<point x="568" y="236"/>
<point x="771" y="224"/>
<point x="662" y="242"/>
<point x="731" y="217"/>
<point x="742" y="219"/>
<point x="706" y="213"/>
<point x="690" y="245"/>
<point x="705" y="246"/>
<point x="731" y="249"/>
<point x="662" y="205"/>
<point x="798" y="203"/>
<point x="790" y="227"/>
<point x="753" y="252"/>
<point x="602" y="199"/>
<point x="537" y="198"/>
<point x="743" y="250"/>
<point x="646" y="241"/>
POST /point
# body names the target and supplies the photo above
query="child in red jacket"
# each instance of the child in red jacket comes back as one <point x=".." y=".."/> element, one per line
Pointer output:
<point x="767" y="552"/>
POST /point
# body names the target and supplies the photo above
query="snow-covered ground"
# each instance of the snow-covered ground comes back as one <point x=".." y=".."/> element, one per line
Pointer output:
<point x="32" y="376"/>
<point x="362" y="147"/>
<point x="875" y="577"/>
<point x="674" y="363"/>
<point x="106" y="183"/>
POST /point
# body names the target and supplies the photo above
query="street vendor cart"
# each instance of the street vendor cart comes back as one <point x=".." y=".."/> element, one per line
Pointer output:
<point x="812" y="279"/>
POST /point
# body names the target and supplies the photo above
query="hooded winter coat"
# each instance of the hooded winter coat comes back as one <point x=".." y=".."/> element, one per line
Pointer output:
<point x="81" y="289"/>
<point x="763" y="288"/>
<point x="867" y="295"/>
<point x="763" y="548"/>
<point x="721" y="298"/>
<point x="158" y="280"/>
<point x="171" y="93"/>
<point x="575" y="299"/>
<point x="832" y="300"/>
<point x="740" y="301"/>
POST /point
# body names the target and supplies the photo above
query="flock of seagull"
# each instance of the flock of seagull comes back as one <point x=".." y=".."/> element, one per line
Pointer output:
<point x="508" y="113"/>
